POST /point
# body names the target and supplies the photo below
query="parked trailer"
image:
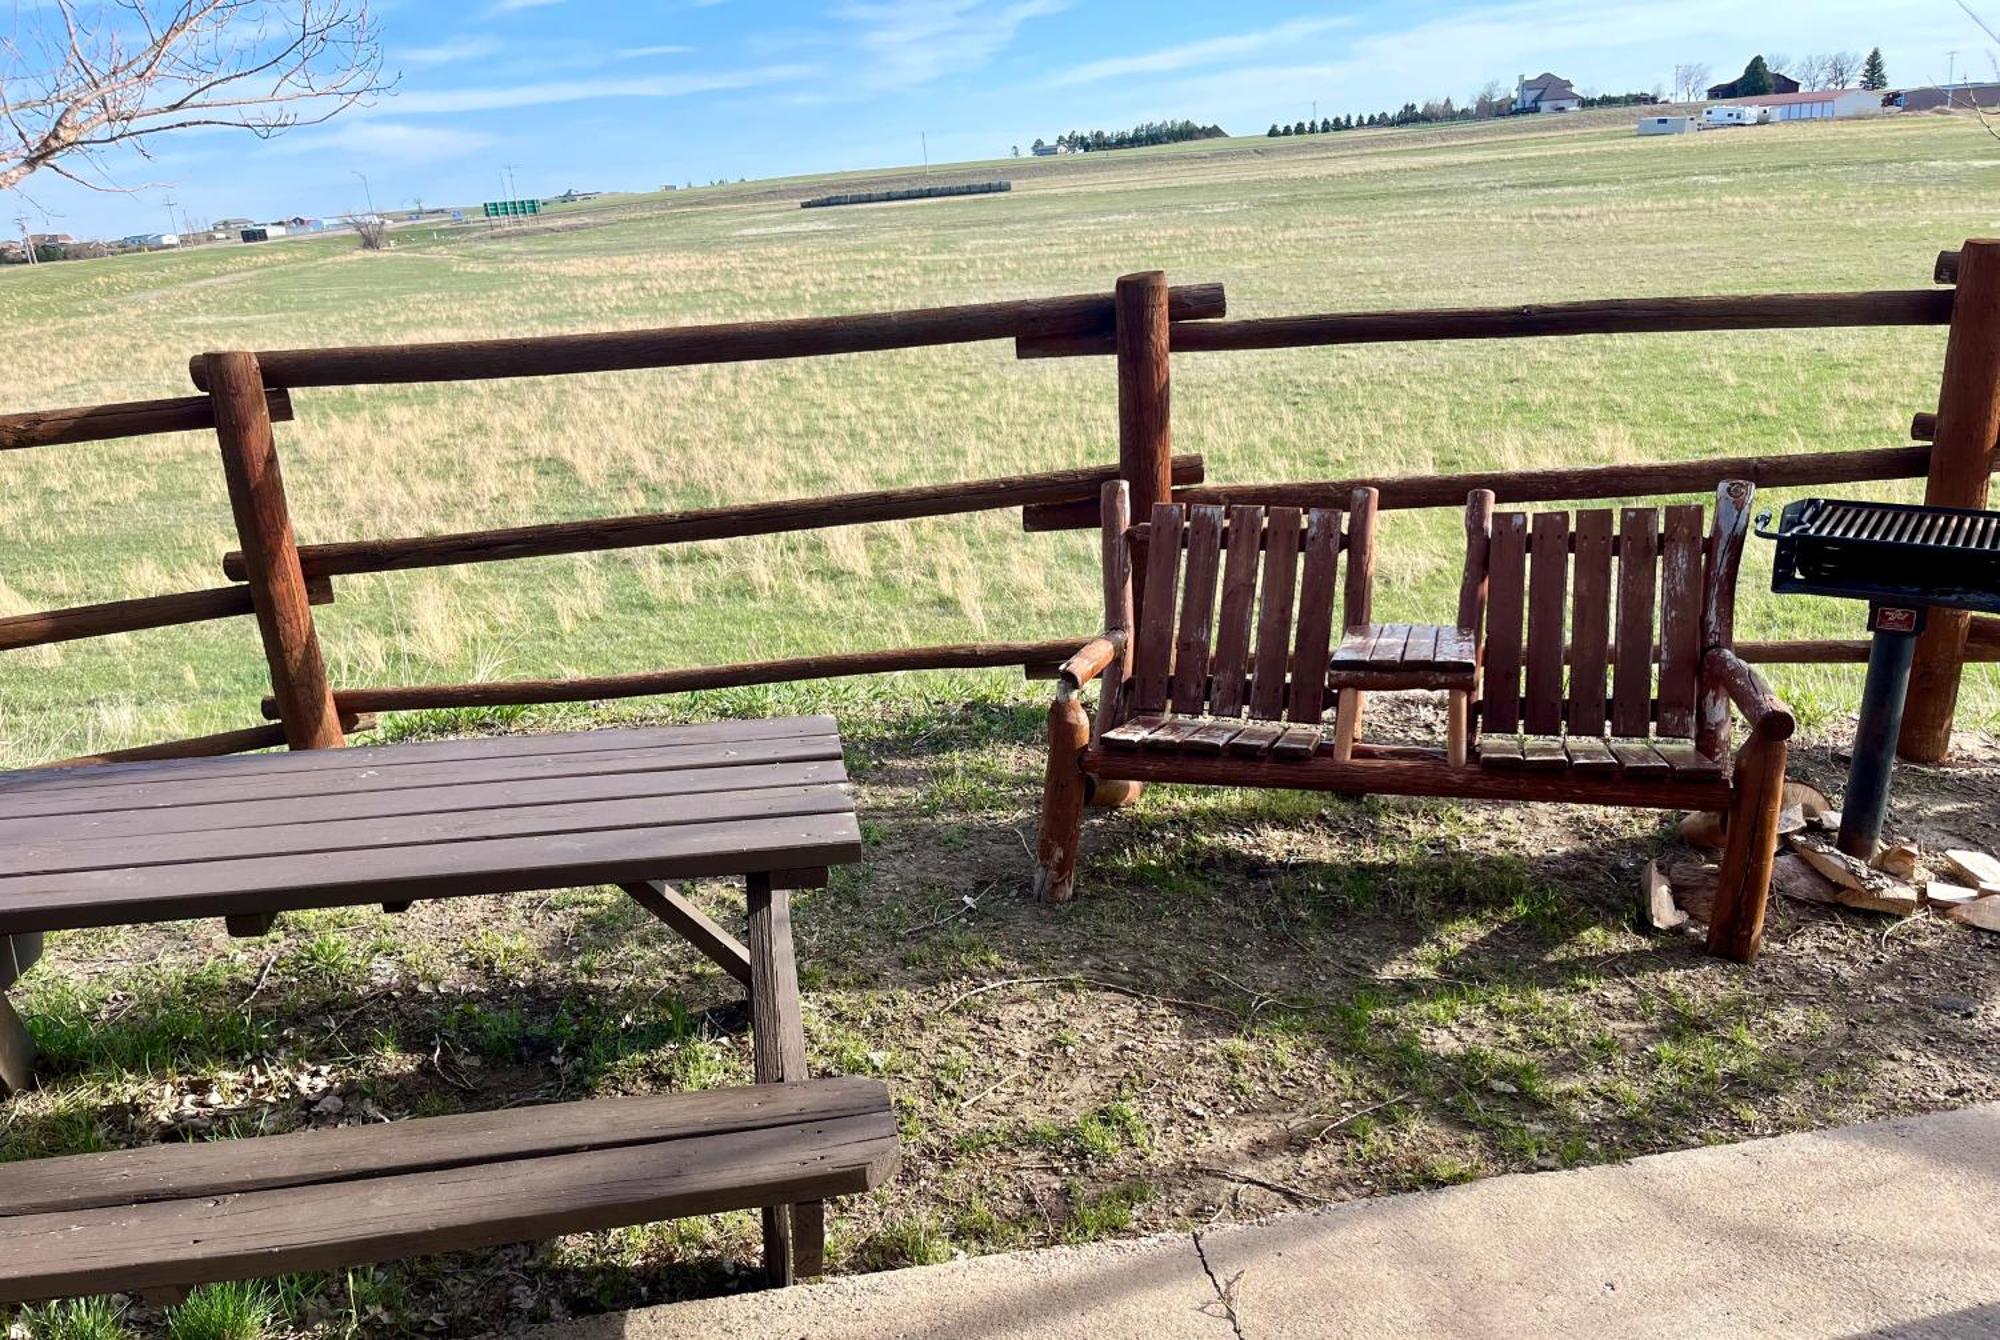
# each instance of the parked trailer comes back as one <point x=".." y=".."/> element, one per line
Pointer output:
<point x="1738" y="115"/>
<point x="1665" y="125"/>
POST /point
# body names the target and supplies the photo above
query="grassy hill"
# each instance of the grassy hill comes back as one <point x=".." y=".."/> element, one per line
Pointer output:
<point x="1529" y="210"/>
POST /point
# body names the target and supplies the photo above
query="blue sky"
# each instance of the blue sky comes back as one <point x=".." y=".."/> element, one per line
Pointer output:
<point x="596" y="94"/>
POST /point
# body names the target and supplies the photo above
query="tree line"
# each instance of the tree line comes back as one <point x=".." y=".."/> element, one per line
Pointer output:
<point x="1488" y="102"/>
<point x="1150" y="132"/>
<point x="1835" y="69"/>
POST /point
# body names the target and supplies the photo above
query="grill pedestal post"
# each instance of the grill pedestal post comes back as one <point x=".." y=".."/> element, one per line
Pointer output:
<point x="1866" y="801"/>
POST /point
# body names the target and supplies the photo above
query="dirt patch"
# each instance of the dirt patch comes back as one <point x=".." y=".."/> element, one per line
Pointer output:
<point x="1257" y="1000"/>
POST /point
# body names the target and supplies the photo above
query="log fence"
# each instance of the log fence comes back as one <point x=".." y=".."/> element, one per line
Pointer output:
<point x="1142" y="323"/>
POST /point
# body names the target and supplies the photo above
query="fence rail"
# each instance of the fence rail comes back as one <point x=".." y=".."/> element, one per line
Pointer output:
<point x="1142" y="323"/>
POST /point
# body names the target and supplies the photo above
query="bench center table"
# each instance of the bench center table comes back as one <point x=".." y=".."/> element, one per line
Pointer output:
<point x="249" y="837"/>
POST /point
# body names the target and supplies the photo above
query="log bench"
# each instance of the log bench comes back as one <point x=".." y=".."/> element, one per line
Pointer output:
<point x="250" y="837"/>
<point x="1567" y="684"/>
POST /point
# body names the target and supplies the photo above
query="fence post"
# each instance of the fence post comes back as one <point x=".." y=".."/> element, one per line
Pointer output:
<point x="270" y="553"/>
<point x="1145" y="419"/>
<point x="1968" y="422"/>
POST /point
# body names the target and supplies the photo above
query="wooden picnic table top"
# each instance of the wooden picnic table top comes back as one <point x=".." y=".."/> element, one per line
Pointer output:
<point x="126" y="843"/>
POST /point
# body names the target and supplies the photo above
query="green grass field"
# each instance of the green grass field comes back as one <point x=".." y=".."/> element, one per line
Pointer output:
<point x="1502" y="213"/>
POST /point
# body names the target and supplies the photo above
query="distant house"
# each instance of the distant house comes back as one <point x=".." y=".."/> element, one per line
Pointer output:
<point x="1045" y="150"/>
<point x="231" y="225"/>
<point x="1780" y="83"/>
<point x="1545" y="93"/>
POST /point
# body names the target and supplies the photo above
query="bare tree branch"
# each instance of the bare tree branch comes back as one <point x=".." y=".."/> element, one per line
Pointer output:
<point x="72" y="86"/>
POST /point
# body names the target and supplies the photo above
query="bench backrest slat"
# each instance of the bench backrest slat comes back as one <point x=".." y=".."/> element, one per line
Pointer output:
<point x="1314" y="644"/>
<point x="1506" y="612"/>
<point x="1680" y="620"/>
<point x="1274" y="616"/>
<point x="1548" y="580"/>
<point x="1638" y="583"/>
<point x="1152" y="653"/>
<point x="1229" y="674"/>
<point x="1191" y="644"/>
<point x="1590" y="621"/>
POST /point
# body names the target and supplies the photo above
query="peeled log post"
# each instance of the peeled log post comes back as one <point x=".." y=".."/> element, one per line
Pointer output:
<point x="271" y="556"/>
<point x="1145" y="414"/>
<point x="132" y="418"/>
<point x="685" y="346"/>
<point x="1962" y="460"/>
<point x="1946" y="269"/>
<point x="1923" y="427"/>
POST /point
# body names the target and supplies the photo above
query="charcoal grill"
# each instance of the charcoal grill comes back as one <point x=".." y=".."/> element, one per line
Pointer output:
<point x="1903" y="560"/>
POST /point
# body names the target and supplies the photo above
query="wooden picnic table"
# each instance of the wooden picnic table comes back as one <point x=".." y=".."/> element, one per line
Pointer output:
<point x="249" y="837"/>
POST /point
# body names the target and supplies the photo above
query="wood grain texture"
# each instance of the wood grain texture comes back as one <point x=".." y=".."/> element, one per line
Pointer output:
<point x="331" y="1225"/>
<point x="128" y="616"/>
<point x="684" y="346"/>
<point x="1314" y="639"/>
<point x="1681" y="545"/>
<point x="1505" y="629"/>
<point x="1274" y="614"/>
<point x="271" y="559"/>
<point x="1197" y="621"/>
<point x="1638" y="581"/>
<point x="1541" y="711"/>
<point x="1152" y="653"/>
<point x="1962" y="461"/>
<point x="1590" y="622"/>
<point x="1230" y="674"/>
<point x="133" y="418"/>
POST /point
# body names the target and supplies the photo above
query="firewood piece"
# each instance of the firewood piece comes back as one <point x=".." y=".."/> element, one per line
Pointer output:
<point x="1861" y="885"/>
<point x="1812" y="801"/>
<point x="1976" y="868"/>
<point x="1694" y="883"/>
<point x="1938" y="893"/>
<point x="1981" y="912"/>
<point x="1704" y="828"/>
<point x="1898" y="859"/>
<point x="1657" y="908"/>
<point x="1791" y="876"/>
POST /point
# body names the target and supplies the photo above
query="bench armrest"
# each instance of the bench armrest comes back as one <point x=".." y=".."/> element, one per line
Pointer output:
<point x="1090" y="661"/>
<point x="1769" y="717"/>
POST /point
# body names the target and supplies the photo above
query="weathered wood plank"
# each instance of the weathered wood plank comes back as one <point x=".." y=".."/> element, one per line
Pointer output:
<point x="1297" y="742"/>
<point x="1314" y="640"/>
<point x="1132" y="734"/>
<point x="1638" y="575"/>
<point x="1548" y="583"/>
<point x="1680" y="620"/>
<point x="1255" y="739"/>
<point x="1500" y="752"/>
<point x="777" y="1039"/>
<point x="1544" y="753"/>
<point x="1274" y="619"/>
<point x="1191" y="644"/>
<point x="1590" y="622"/>
<point x="1638" y="760"/>
<point x="694" y="925"/>
<point x="1505" y="615"/>
<point x="1688" y="763"/>
<point x="1152" y="655"/>
<point x="1211" y="737"/>
<point x="1589" y="753"/>
<point x="1230" y="676"/>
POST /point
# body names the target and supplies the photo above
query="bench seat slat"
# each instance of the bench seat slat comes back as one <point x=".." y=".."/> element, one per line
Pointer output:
<point x="71" y="830"/>
<point x="184" y="771"/>
<point x="394" y="874"/>
<point x="358" y="773"/>
<point x="326" y="1226"/>
<point x="182" y="1171"/>
<point x="352" y="837"/>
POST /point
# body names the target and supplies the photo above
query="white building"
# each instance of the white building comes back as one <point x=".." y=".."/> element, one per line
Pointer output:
<point x="1545" y="93"/>
<point x="1827" y="104"/>
<point x="1665" y="125"/>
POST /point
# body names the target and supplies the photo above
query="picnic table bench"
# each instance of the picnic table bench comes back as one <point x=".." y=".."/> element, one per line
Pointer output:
<point x="250" y="837"/>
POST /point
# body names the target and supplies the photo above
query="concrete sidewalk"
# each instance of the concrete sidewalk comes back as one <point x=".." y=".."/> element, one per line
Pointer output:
<point x="1890" y="1229"/>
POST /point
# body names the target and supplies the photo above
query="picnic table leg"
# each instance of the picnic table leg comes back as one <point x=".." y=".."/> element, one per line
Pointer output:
<point x="794" y="1235"/>
<point x="17" y="1050"/>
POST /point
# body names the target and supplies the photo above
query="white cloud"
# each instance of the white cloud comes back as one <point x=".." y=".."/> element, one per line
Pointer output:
<point x="495" y="98"/>
<point x="1207" y="51"/>
<point x="915" y="41"/>
<point x="388" y="141"/>
<point x="451" y="51"/>
<point x="511" y="6"/>
<point x="664" y="49"/>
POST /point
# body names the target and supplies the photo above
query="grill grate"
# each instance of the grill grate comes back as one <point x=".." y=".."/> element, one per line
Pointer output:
<point x="1893" y="553"/>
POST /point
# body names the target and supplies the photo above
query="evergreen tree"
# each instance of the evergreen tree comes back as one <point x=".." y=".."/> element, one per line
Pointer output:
<point x="1273" y="131"/>
<point x="1287" y="130"/>
<point x="1756" y="79"/>
<point x="1299" y="128"/>
<point x="1874" y="74"/>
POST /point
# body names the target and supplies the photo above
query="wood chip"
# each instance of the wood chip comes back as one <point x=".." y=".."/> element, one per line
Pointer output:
<point x="1793" y="878"/>
<point x="1656" y="901"/>
<point x="1981" y="912"/>
<point x="1809" y="799"/>
<point x="1694" y="883"/>
<point x="1861" y="885"/>
<point x="1975" y="868"/>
